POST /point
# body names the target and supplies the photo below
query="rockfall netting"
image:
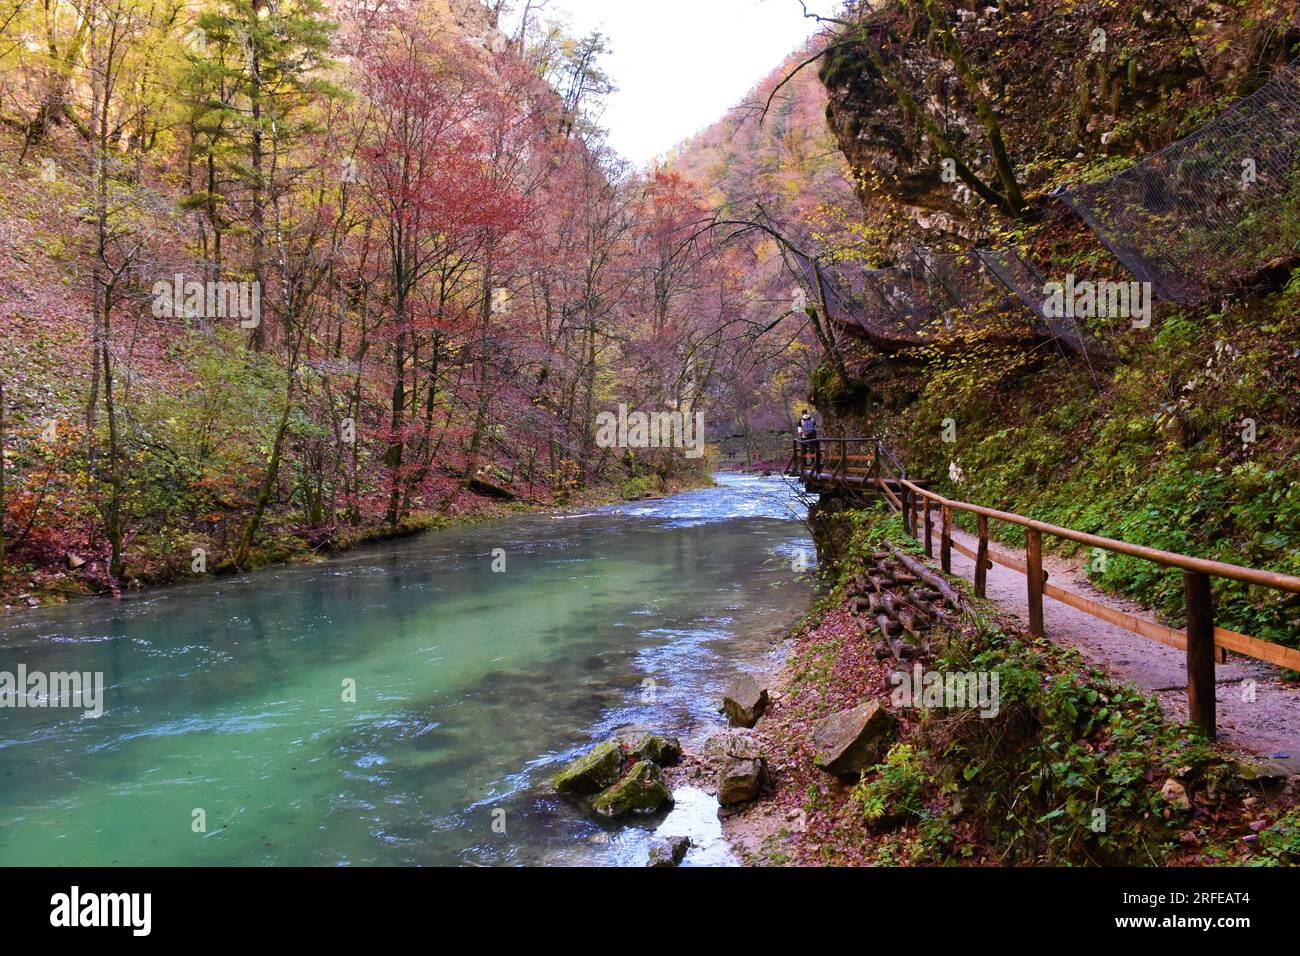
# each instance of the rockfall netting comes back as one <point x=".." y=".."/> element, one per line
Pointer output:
<point x="930" y="294"/>
<point x="1213" y="210"/>
<point x="1020" y="276"/>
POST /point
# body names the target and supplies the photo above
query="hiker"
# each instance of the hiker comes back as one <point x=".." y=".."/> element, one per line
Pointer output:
<point x="808" y="433"/>
<point x="807" y="427"/>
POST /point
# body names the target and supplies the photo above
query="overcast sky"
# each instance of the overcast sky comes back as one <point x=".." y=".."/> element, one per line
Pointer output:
<point x="681" y="64"/>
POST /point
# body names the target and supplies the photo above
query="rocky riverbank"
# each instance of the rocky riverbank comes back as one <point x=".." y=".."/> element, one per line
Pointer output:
<point x="1061" y="766"/>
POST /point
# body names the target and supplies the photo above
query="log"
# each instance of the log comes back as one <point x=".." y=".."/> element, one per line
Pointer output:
<point x="908" y="619"/>
<point x="920" y="610"/>
<point x="487" y="489"/>
<point x="884" y="624"/>
<point x="930" y="578"/>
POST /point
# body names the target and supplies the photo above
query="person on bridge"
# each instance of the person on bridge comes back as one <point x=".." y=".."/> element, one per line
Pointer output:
<point x="808" y="433"/>
<point x="807" y="427"/>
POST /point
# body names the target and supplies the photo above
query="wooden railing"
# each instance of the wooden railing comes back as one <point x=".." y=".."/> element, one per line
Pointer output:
<point x="1202" y="641"/>
<point x="845" y="462"/>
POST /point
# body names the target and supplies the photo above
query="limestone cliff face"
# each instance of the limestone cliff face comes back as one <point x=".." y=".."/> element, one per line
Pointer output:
<point x="1074" y="84"/>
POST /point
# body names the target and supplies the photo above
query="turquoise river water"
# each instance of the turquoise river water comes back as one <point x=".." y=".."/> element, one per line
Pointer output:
<point x="472" y="688"/>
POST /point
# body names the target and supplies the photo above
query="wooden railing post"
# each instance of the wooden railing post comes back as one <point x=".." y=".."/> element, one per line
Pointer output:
<point x="1200" y="651"/>
<point x="1034" y="572"/>
<point x="945" y="543"/>
<point x="875" y="466"/>
<point x="982" y="559"/>
<point x="907" y="509"/>
<point x="929" y="528"/>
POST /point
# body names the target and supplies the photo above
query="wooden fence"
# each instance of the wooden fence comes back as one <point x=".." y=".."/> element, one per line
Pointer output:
<point x="825" y="464"/>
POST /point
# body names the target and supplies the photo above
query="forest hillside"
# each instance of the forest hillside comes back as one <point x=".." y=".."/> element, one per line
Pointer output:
<point x="966" y="127"/>
<point x="280" y="277"/>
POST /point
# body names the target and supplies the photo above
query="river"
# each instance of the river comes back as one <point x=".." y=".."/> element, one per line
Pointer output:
<point x="227" y="736"/>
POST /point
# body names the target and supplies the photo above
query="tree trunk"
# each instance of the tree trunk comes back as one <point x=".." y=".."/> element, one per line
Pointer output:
<point x="257" y="202"/>
<point x="268" y="480"/>
<point x="983" y="108"/>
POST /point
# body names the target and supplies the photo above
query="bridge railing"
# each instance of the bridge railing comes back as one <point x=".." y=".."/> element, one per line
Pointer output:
<point x="847" y="460"/>
<point x="1202" y="641"/>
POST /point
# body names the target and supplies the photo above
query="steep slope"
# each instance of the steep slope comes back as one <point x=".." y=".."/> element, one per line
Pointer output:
<point x="1181" y="434"/>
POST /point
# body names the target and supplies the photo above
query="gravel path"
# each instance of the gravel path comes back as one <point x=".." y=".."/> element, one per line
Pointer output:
<point x="1268" y="727"/>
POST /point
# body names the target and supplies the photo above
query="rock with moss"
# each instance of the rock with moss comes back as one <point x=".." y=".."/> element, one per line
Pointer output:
<point x="639" y="791"/>
<point x="1264" y="773"/>
<point x="664" y="751"/>
<point x="593" y="771"/>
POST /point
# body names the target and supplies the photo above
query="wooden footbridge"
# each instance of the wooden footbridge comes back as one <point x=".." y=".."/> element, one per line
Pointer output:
<point x="860" y="467"/>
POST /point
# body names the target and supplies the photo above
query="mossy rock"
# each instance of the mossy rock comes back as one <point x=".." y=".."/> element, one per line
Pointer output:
<point x="593" y="771"/>
<point x="664" y="751"/>
<point x="640" y="791"/>
<point x="830" y="391"/>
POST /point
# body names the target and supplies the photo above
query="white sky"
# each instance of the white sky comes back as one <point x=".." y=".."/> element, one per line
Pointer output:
<point x="679" y="65"/>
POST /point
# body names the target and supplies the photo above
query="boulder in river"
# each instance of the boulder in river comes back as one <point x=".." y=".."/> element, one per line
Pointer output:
<point x="854" y="740"/>
<point x="744" y="702"/>
<point x="593" y="771"/>
<point x="728" y="744"/>
<point x="664" y="751"/>
<point x="640" y="790"/>
<point x="668" y="852"/>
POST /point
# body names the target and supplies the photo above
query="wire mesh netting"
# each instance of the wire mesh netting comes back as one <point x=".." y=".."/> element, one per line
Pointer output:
<point x="925" y="296"/>
<point x="1020" y="276"/>
<point x="976" y="292"/>
<point x="1211" y="210"/>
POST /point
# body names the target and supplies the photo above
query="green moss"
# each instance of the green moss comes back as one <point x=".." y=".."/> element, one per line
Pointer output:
<point x="1150" y="452"/>
<point x="640" y="791"/>
<point x="664" y="751"/>
<point x="829" y="390"/>
<point x="593" y="771"/>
